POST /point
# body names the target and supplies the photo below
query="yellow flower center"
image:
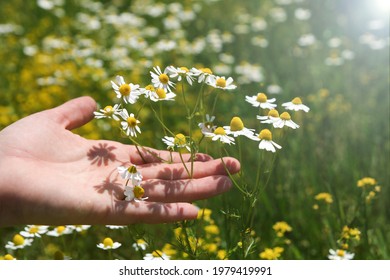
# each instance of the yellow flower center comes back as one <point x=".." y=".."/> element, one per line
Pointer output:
<point x="162" y="94"/>
<point x="207" y="71"/>
<point x="107" y="242"/>
<point x="157" y="253"/>
<point x="185" y="69"/>
<point x="150" y="87"/>
<point x="60" y="229"/>
<point x="125" y="89"/>
<point x="340" y="253"/>
<point x="261" y="97"/>
<point x="132" y="121"/>
<point x="180" y="139"/>
<point x="163" y="78"/>
<point x="33" y="229"/>
<point x="132" y="169"/>
<point x="108" y="110"/>
<point x="220" y="131"/>
<point x="273" y="113"/>
<point x="265" y="134"/>
<point x="236" y="124"/>
<point x="8" y="257"/>
<point x="18" y="240"/>
<point x="297" y="101"/>
<point x="138" y="192"/>
<point x="220" y="82"/>
<point x="285" y="116"/>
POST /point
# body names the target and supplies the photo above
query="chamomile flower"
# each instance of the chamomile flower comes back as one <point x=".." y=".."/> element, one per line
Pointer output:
<point x="149" y="91"/>
<point x="115" y="227"/>
<point x="220" y="134"/>
<point x="156" y="255"/>
<point x="130" y="173"/>
<point x="140" y="245"/>
<point x="80" y="228"/>
<point x="128" y="92"/>
<point x="108" y="244"/>
<point x="208" y="125"/>
<point x="261" y="100"/>
<point x="130" y="124"/>
<point x="34" y="231"/>
<point x="204" y="75"/>
<point x="340" y="255"/>
<point x="161" y="94"/>
<point x="8" y="257"/>
<point x="272" y="116"/>
<point x="285" y="120"/>
<point x="60" y="230"/>
<point x="108" y="112"/>
<point x="180" y="72"/>
<point x="237" y="128"/>
<point x="266" y="143"/>
<point x="135" y="193"/>
<point x="161" y="80"/>
<point x="222" y="83"/>
<point x="179" y="141"/>
<point x="18" y="242"/>
<point x="296" y="105"/>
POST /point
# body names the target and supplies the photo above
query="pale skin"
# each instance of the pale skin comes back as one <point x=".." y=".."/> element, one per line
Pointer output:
<point x="51" y="176"/>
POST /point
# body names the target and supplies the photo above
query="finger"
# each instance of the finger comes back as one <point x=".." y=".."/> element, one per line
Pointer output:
<point x="177" y="171"/>
<point x="74" y="113"/>
<point x="185" y="190"/>
<point x="142" y="155"/>
<point x="150" y="213"/>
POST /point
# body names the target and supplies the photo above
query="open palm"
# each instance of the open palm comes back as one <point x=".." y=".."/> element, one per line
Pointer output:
<point x="49" y="175"/>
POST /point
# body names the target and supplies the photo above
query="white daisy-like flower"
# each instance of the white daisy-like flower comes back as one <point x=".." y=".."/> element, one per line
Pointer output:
<point x="180" y="72"/>
<point x="285" y="120"/>
<point x="179" y="141"/>
<point x="135" y="193"/>
<point x="157" y="255"/>
<point x="237" y="128"/>
<point x="108" y="112"/>
<point x="130" y="173"/>
<point x="149" y="91"/>
<point x="130" y="124"/>
<point x="296" y="105"/>
<point x="220" y="134"/>
<point x="261" y="100"/>
<point x="204" y="75"/>
<point x="272" y="116"/>
<point x="222" y="83"/>
<point x="161" y="94"/>
<point x="108" y="244"/>
<point x="60" y="230"/>
<point x="129" y="92"/>
<point x="161" y="80"/>
<point x="208" y="125"/>
<point x="340" y="255"/>
<point x="266" y="143"/>
<point x="18" y="242"/>
<point x="115" y="227"/>
<point x="140" y="245"/>
<point x="79" y="228"/>
<point x="34" y="231"/>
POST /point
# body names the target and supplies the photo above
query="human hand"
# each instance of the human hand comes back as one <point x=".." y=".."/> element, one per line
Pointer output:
<point x="49" y="175"/>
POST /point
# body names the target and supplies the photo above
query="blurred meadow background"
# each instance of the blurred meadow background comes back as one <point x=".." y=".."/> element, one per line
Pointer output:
<point x="334" y="54"/>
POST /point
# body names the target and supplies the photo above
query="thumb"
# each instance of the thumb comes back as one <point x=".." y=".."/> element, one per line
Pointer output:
<point x="74" y="113"/>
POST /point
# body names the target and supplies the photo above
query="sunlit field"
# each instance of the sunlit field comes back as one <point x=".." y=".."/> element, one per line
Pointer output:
<point x="318" y="191"/>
